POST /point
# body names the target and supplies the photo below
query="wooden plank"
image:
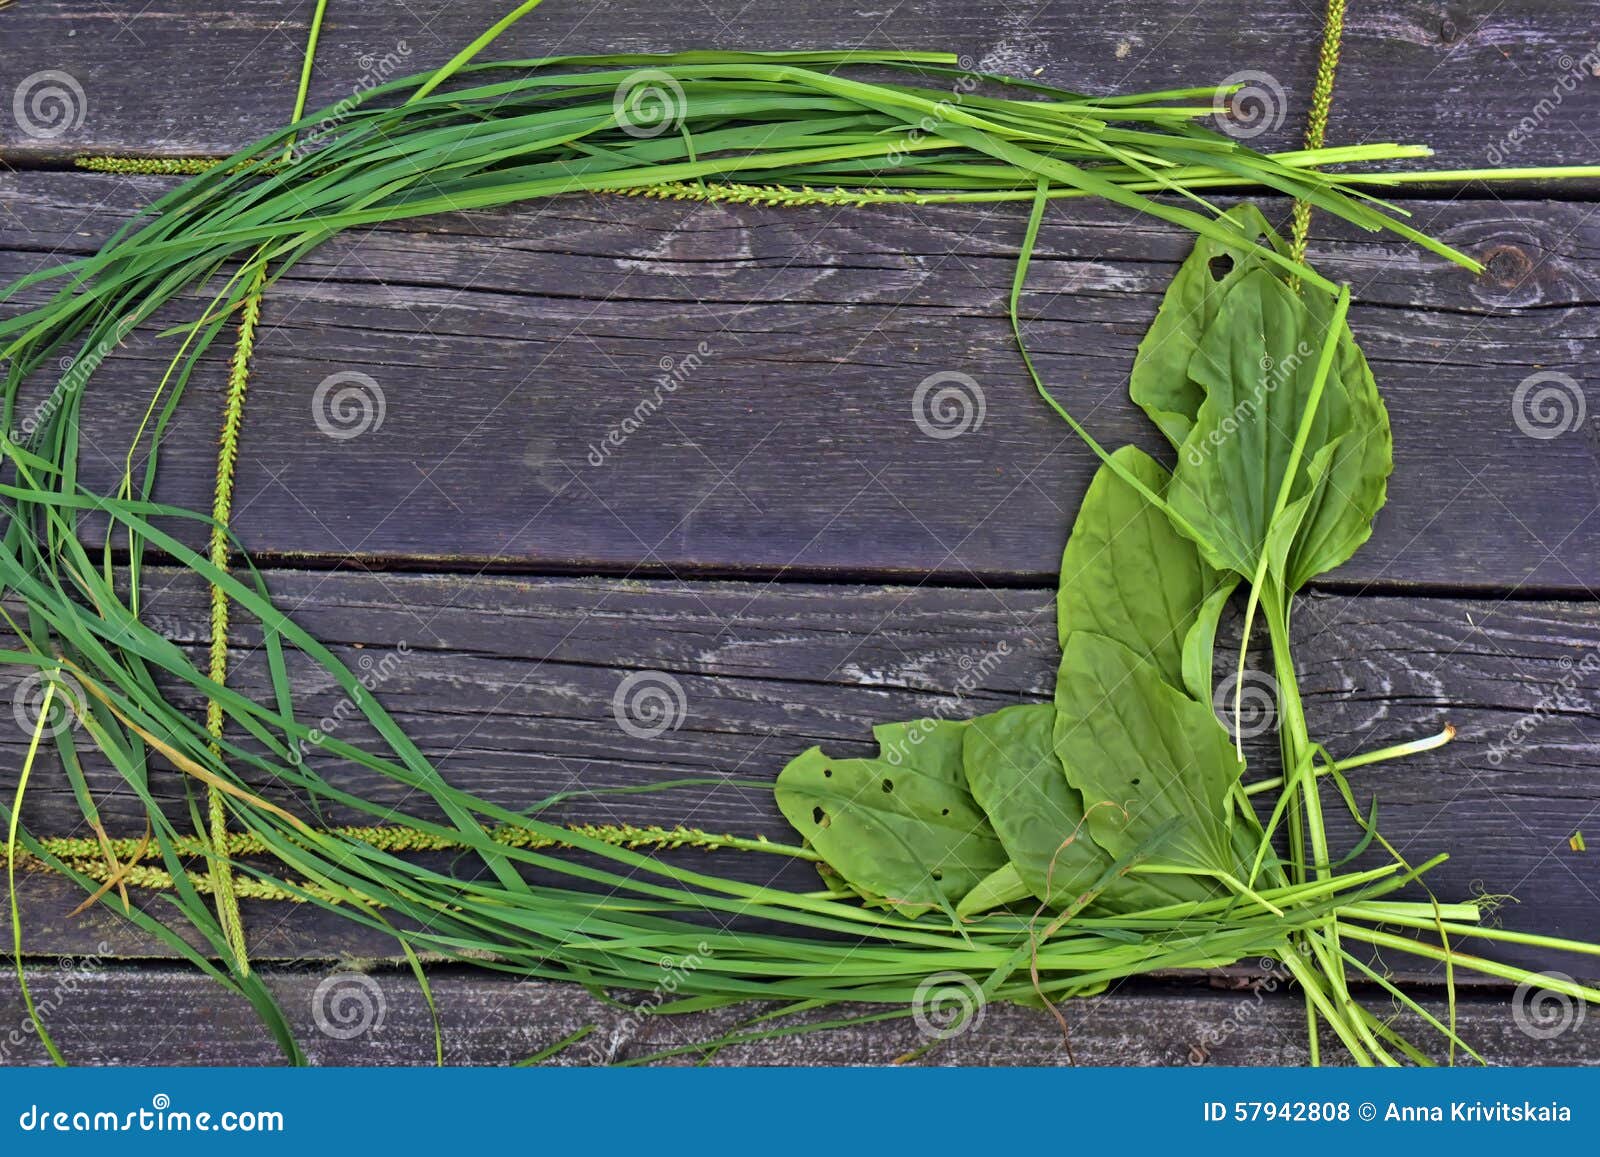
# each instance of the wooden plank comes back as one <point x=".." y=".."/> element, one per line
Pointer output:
<point x="511" y="687"/>
<point x="102" y="1014"/>
<point x="507" y="347"/>
<point x="1462" y="78"/>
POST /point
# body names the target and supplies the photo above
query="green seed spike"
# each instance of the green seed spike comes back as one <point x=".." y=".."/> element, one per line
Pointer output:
<point x="767" y="195"/>
<point x="147" y="166"/>
<point x="242" y="887"/>
<point x="401" y="839"/>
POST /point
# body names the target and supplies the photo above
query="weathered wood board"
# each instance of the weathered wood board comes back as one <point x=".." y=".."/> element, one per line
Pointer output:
<point x="1460" y="76"/>
<point x="164" y="1016"/>
<point x="500" y="352"/>
<point x="780" y="537"/>
<point x="511" y="686"/>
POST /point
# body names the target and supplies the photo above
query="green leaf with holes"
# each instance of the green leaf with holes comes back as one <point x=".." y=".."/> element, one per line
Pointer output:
<point x="902" y="827"/>
<point x="1160" y="382"/>
<point x="1257" y="364"/>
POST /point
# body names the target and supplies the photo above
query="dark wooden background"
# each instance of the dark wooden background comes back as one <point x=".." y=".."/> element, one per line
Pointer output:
<point x="781" y="538"/>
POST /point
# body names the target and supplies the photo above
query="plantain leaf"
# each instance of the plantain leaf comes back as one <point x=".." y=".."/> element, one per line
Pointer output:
<point x="1257" y="363"/>
<point x="1000" y="887"/>
<point x="903" y="827"/>
<point x="1128" y="574"/>
<point x="1154" y="767"/>
<point x="1350" y="487"/>
<point x="1199" y="644"/>
<point x="1160" y="382"/>
<point x="1015" y="776"/>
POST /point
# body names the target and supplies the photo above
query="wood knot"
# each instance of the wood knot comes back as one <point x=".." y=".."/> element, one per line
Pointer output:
<point x="1449" y="32"/>
<point x="1507" y="266"/>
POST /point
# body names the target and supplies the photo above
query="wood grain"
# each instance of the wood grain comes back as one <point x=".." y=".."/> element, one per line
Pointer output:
<point x="1460" y="76"/>
<point x="163" y="1016"/>
<point x="511" y="687"/>
<point x="506" y="346"/>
